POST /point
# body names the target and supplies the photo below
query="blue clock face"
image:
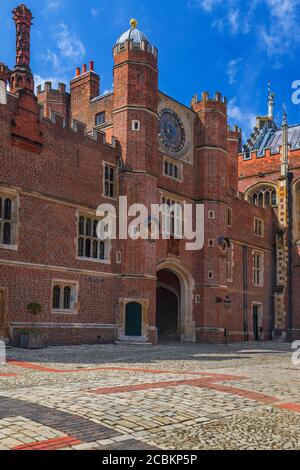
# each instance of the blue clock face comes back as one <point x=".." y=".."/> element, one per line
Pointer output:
<point x="171" y="131"/>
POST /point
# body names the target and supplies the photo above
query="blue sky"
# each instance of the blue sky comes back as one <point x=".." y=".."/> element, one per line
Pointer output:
<point x="231" y="46"/>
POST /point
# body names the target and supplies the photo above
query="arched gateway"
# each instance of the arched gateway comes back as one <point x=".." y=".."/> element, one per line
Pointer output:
<point x="174" y="309"/>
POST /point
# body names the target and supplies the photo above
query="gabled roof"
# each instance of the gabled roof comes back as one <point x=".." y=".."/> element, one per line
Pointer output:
<point x="270" y="137"/>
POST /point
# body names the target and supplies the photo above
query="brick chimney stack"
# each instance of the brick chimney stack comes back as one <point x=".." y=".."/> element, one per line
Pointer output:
<point x="83" y="87"/>
<point x="21" y="77"/>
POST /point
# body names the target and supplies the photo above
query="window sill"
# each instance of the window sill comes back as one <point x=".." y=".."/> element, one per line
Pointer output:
<point x="173" y="178"/>
<point x="110" y="198"/>
<point x="92" y="260"/>
<point x="9" y="247"/>
<point x="64" y="312"/>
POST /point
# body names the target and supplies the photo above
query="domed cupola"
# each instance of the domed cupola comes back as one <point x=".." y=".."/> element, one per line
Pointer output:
<point x="133" y="34"/>
<point x="137" y="39"/>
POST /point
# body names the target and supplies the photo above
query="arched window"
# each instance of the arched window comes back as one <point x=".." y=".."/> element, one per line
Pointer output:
<point x="171" y="169"/>
<point x="89" y="245"/>
<point x="81" y="226"/>
<point x="7" y="234"/>
<point x="88" y="227"/>
<point x="67" y="298"/>
<point x="102" y="251"/>
<point x="8" y="221"/>
<point x="7" y="209"/>
<point x="87" y="248"/>
<point x="80" y="247"/>
<point x="56" y="297"/>
<point x="64" y="296"/>
<point x="95" y="226"/>
<point x="95" y="249"/>
<point x="264" y="196"/>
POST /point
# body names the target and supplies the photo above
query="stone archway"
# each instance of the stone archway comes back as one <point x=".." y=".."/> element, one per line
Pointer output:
<point x="184" y="290"/>
<point x="167" y="310"/>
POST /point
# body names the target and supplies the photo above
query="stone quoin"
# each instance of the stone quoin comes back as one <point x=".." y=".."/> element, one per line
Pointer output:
<point x="65" y="153"/>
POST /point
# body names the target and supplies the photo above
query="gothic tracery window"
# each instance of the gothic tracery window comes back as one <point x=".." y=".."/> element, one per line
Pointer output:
<point x="264" y="196"/>
<point x="89" y="245"/>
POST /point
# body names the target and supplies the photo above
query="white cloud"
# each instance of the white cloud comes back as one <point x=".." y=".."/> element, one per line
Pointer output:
<point x="207" y="5"/>
<point x="275" y="28"/>
<point x="51" y="6"/>
<point x="232" y="70"/>
<point x="57" y="61"/>
<point x="230" y="21"/>
<point x="244" y="119"/>
<point x="96" y="11"/>
<point x="53" y="58"/>
<point x="280" y="34"/>
<point x="69" y="44"/>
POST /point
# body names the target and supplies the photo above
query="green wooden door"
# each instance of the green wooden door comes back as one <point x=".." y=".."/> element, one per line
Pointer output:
<point x="133" y="325"/>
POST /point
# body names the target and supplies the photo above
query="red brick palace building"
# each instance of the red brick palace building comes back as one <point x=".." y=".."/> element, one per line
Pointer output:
<point x="62" y="154"/>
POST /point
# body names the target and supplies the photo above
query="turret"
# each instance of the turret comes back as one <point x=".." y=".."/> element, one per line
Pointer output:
<point x="234" y="143"/>
<point x="54" y="100"/>
<point x="135" y="116"/>
<point x="21" y="76"/>
<point x="136" y="98"/>
<point x="211" y="144"/>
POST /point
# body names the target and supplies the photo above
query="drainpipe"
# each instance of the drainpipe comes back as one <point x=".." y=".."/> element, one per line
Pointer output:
<point x="290" y="257"/>
<point x="245" y="292"/>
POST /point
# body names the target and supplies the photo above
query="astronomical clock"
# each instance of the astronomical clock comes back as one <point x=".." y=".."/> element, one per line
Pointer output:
<point x="175" y="129"/>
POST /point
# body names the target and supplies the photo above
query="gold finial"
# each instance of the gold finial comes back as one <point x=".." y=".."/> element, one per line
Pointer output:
<point x="133" y="23"/>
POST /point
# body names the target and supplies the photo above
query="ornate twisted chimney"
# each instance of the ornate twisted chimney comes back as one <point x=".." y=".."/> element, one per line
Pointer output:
<point x="21" y="77"/>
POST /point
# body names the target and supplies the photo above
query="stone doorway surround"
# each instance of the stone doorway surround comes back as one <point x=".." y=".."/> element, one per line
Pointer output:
<point x="4" y="330"/>
<point x="123" y="302"/>
<point x="187" y="288"/>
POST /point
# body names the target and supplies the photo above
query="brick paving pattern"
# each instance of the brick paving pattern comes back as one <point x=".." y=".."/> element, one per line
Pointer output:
<point x="166" y="397"/>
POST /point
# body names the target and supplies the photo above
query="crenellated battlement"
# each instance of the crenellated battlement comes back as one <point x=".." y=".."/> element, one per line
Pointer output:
<point x="234" y="131"/>
<point x="130" y="46"/>
<point x="207" y="103"/>
<point x="48" y="88"/>
<point x="54" y="100"/>
<point x="218" y="98"/>
<point x="80" y="129"/>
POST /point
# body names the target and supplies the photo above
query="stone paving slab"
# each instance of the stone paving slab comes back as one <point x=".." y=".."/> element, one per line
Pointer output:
<point x="170" y="397"/>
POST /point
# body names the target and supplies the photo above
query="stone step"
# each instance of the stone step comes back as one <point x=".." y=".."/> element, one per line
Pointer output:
<point x="133" y="343"/>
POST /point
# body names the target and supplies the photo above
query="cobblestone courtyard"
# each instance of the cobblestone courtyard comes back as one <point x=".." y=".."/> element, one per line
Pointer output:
<point x="166" y="397"/>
